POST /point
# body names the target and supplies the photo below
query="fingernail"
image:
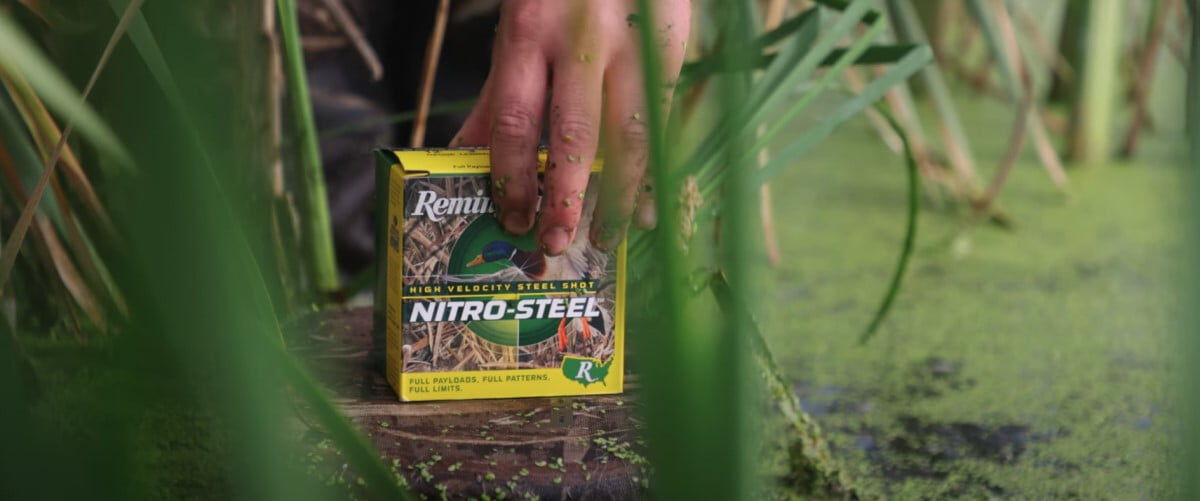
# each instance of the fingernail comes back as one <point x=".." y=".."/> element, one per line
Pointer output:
<point x="607" y="235"/>
<point x="556" y="240"/>
<point x="516" y="222"/>
<point x="647" y="215"/>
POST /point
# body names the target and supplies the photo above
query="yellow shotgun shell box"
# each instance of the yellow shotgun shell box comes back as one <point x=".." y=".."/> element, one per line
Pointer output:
<point x="464" y="310"/>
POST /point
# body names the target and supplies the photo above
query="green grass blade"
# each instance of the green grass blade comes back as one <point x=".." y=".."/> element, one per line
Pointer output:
<point x="875" y="54"/>
<point x="842" y="5"/>
<point x="147" y="47"/>
<point x="833" y="74"/>
<point x="785" y="29"/>
<point x="829" y="472"/>
<point x="23" y="166"/>
<point x="12" y="246"/>
<point x="902" y="70"/>
<point x="763" y="100"/>
<point x="782" y="62"/>
<point x="351" y="443"/>
<point x="22" y="56"/>
<point x="318" y="235"/>
<point x="1192" y="112"/>
<point x="358" y="451"/>
<point x="704" y="157"/>
<point x="673" y="418"/>
<point x="785" y="118"/>
<point x="738" y="447"/>
<point x="805" y="141"/>
<point x="913" y="62"/>
<point x="804" y="25"/>
<point x="910" y="231"/>
<point x="1188" y="483"/>
<point x="773" y="77"/>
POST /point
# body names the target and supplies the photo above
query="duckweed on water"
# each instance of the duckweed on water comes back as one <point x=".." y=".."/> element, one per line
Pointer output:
<point x="1032" y="364"/>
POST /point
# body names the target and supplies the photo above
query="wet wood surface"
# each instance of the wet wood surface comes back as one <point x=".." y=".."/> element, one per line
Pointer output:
<point x="551" y="448"/>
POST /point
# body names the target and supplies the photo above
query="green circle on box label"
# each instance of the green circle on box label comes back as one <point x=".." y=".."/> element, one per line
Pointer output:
<point x="508" y="332"/>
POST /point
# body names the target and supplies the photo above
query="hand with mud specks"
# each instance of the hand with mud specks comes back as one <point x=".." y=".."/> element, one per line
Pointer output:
<point x="585" y="55"/>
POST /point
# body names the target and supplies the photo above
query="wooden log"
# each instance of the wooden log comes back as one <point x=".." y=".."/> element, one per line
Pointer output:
<point x="552" y="448"/>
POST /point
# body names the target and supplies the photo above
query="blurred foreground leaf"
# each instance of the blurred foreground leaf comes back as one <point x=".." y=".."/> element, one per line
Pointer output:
<point x="20" y="55"/>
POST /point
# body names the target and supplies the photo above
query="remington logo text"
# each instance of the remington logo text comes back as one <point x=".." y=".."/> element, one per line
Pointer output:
<point x="435" y="207"/>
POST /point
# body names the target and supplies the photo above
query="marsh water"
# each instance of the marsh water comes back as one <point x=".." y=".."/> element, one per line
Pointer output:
<point x="1028" y="361"/>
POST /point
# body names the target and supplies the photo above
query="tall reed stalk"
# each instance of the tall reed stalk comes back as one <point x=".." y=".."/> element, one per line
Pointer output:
<point x="741" y="257"/>
<point x="1095" y="110"/>
<point x="674" y="420"/>
<point x="317" y="233"/>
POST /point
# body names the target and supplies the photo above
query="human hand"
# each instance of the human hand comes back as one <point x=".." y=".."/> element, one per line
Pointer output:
<point x="586" y="55"/>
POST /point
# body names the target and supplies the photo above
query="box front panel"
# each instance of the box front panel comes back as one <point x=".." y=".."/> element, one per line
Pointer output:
<point x="485" y="314"/>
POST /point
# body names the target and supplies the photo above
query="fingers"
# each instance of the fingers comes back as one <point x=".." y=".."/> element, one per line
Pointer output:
<point x="579" y="42"/>
<point x="625" y="187"/>
<point x="626" y="152"/>
<point x="574" y="134"/>
<point x="516" y="100"/>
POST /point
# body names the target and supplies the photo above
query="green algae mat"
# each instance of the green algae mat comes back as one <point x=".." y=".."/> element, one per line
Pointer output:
<point x="1028" y="362"/>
